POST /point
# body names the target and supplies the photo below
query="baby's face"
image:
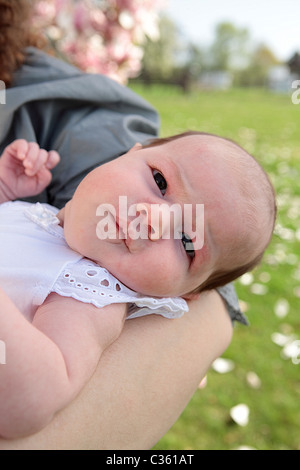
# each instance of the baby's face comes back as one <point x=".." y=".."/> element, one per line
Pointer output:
<point x="189" y="171"/>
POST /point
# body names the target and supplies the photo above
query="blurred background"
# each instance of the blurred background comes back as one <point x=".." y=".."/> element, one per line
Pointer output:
<point x="230" y="68"/>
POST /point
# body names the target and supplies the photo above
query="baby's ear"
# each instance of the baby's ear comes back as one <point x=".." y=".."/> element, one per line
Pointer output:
<point x="191" y="296"/>
<point x="137" y="146"/>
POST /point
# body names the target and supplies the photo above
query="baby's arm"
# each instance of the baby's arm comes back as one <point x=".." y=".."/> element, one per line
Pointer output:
<point x="25" y="170"/>
<point x="48" y="362"/>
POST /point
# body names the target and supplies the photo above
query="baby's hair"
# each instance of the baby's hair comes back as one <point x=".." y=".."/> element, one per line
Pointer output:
<point x="223" y="276"/>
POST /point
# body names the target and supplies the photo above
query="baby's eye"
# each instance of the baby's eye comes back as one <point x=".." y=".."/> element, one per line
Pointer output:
<point x="188" y="245"/>
<point x="160" y="181"/>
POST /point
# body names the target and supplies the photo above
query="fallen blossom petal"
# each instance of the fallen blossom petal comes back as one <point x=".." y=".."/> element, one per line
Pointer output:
<point x="253" y="380"/>
<point x="281" y="339"/>
<point x="222" y="366"/>
<point x="246" y="279"/>
<point x="244" y="306"/>
<point x="265" y="277"/>
<point x="240" y="414"/>
<point x="259" y="289"/>
<point x="281" y="308"/>
<point x="292" y="351"/>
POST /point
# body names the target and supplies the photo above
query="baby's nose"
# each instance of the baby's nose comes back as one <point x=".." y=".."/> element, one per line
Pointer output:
<point x="157" y="218"/>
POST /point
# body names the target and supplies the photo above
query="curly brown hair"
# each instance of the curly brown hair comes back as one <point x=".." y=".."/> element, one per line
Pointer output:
<point x="15" y="36"/>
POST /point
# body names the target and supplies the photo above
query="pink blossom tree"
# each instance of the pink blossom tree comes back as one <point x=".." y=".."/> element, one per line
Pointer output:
<point x="100" y="36"/>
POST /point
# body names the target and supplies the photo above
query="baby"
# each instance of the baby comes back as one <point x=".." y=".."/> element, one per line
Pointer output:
<point x="59" y="267"/>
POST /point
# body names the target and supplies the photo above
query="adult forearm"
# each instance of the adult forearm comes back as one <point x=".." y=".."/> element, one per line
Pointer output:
<point x="142" y="384"/>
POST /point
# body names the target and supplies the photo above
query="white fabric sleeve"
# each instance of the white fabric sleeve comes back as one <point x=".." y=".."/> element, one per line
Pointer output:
<point x="89" y="283"/>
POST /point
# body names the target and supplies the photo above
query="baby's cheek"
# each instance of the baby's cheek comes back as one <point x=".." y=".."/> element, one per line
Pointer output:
<point x="152" y="278"/>
<point x="204" y="255"/>
<point x="162" y="275"/>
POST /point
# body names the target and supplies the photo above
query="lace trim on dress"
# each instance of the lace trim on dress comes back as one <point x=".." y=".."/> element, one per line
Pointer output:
<point x="87" y="282"/>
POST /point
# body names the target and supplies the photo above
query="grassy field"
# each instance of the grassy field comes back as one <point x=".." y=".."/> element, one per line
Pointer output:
<point x="264" y="357"/>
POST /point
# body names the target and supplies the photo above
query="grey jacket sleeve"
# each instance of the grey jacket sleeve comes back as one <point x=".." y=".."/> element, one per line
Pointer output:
<point x="230" y="298"/>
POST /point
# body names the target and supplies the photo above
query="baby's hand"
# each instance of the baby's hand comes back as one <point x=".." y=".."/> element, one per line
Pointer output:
<point x="25" y="170"/>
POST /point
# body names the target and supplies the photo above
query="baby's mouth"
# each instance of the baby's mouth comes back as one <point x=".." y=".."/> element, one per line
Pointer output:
<point x="120" y="230"/>
<point x="124" y="234"/>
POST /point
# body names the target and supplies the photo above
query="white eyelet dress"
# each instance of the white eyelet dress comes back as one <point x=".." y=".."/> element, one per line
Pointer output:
<point x="35" y="260"/>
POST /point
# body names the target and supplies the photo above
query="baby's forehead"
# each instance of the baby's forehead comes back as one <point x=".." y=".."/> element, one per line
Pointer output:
<point x="208" y="145"/>
<point x="216" y="159"/>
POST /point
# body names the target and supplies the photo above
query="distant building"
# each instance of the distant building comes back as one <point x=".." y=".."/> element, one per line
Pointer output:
<point x="216" y="80"/>
<point x="281" y="77"/>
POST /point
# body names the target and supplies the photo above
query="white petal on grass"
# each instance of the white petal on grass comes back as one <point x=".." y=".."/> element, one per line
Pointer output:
<point x="281" y="308"/>
<point x="284" y="233"/>
<point x="246" y="279"/>
<point x="297" y="291"/>
<point x="240" y="414"/>
<point x="292" y="351"/>
<point x="290" y="345"/>
<point x="253" y="380"/>
<point x="292" y="259"/>
<point x="281" y="339"/>
<point x="265" y="277"/>
<point x="222" y="366"/>
<point x="296" y="274"/>
<point x="280" y="255"/>
<point x="259" y="289"/>
<point x="244" y="306"/>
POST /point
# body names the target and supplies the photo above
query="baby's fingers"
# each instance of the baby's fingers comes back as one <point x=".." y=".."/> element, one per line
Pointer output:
<point x="53" y="159"/>
<point x="35" y="159"/>
<point x="18" y="149"/>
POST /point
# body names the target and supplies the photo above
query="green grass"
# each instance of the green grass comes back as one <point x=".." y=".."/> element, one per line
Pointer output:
<point x="267" y="125"/>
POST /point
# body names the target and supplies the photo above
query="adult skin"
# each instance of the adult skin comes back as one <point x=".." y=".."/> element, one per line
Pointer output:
<point x="142" y="384"/>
